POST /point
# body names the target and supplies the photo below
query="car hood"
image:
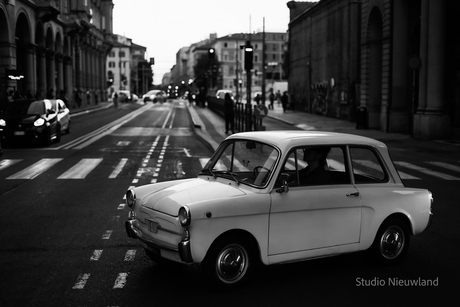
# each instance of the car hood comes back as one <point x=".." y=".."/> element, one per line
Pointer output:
<point x="21" y="118"/>
<point x="168" y="197"/>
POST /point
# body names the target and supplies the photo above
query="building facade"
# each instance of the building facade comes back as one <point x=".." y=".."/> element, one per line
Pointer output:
<point x="381" y="63"/>
<point x="52" y="49"/>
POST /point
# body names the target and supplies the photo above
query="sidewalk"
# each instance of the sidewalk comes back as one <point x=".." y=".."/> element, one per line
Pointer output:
<point x="210" y="128"/>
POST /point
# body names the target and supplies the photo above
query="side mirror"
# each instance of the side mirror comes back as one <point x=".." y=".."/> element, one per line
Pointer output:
<point x="284" y="187"/>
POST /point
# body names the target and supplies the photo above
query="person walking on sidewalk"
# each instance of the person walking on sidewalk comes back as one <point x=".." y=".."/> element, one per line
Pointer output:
<point x="115" y="100"/>
<point x="229" y="113"/>
<point x="271" y="97"/>
<point x="284" y="101"/>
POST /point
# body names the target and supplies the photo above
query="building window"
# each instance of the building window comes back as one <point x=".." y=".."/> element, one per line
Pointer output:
<point x="225" y="45"/>
<point x="121" y="54"/>
<point x="111" y="64"/>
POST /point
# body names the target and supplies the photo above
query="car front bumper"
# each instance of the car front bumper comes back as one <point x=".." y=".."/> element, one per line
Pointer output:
<point x="183" y="248"/>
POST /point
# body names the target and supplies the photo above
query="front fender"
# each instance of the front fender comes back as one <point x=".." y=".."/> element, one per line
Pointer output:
<point x="210" y="220"/>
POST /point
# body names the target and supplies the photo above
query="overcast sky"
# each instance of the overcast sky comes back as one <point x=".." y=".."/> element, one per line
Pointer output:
<point x="165" y="26"/>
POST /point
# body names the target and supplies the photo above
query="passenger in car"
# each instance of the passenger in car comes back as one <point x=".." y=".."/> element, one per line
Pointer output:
<point x="315" y="172"/>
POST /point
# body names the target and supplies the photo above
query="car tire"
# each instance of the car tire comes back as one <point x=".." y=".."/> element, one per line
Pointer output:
<point x="228" y="264"/>
<point x="391" y="242"/>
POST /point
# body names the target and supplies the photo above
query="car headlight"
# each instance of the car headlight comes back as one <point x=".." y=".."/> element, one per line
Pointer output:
<point x="184" y="216"/>
<point x="2" y="123"/>
<point x="39" y="122"/>
<point x="130" y="198"/>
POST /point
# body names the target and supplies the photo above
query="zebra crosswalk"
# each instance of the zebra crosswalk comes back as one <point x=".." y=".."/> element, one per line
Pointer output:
<point x="82" y="168"/>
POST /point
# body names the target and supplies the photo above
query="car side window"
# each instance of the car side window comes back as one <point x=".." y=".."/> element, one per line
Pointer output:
<point x="367" y="167"/>
<point x="315" y="166"/>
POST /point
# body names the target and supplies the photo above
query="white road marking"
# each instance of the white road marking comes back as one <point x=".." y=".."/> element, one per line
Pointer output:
<point x="96" y="255"/>
<point x="107" y="235"/>
<point x="8" y="162"/>
<point x="426" y="171"/>
<point x="36" y="169"/>
<point x="81" y="169"/>
<point x="119" y="168"/>
<point x="448" y="166"/>
<point x="120" y="282"/>
<point x="81" y="281"/>
<point x="130" y="254"/>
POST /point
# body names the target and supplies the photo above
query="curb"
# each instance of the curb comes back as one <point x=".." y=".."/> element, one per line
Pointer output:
<point x="199" y="130"/>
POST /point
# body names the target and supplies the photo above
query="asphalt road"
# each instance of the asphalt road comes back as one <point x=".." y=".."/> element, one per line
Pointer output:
<point x="63" y="243"/>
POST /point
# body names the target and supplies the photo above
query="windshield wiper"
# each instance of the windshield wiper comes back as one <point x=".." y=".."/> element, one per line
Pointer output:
<point x="234" y="175"/>
<point x="208" y="170"/>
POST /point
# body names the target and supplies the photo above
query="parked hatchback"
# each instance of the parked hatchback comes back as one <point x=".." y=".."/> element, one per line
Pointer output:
<point x="278" y="197"/>
<point x="37" y="121"/>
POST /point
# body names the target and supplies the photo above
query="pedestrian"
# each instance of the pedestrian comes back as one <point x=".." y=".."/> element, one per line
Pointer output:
<point x="229" y="113"/>
<point x="271" y="97"/>
<point x="77" y="97"/>
<point x="115" y="100"/>
<point x="284" y="101"/>
<point x="257" y="99"/>
<point x="278" y="97"/>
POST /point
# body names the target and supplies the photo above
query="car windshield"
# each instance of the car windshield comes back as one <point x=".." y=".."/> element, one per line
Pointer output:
<point x="26" y="107"/>
<point x="244" y="161"/>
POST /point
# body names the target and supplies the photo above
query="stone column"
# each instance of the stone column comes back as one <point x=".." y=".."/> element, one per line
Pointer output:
<point x="431" y="120"/>
<point x="41" y="73"/>
<point x="398" y="116"/>
<point x="29" y="70"/>
<point x="60" y="73"/>
<point x="50" y="73"/>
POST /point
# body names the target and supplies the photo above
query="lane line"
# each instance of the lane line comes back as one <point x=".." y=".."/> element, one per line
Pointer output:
<point x="120" y="282"/>
<point x="96" y="255"/>
<point x="81" y="281"/>
<point x="119" y="168"/>
<point x="130" y="254"/>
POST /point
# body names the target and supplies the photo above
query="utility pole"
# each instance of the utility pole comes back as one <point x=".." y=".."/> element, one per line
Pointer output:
<point x="263" y="62"/>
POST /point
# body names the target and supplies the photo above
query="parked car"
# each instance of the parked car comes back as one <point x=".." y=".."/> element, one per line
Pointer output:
<point x="33" y="120"/>
<point x="154" y="96"/>
<point x="221" y="93"/>
<point x="123" y="96"/>
<point x="277" y="197"/>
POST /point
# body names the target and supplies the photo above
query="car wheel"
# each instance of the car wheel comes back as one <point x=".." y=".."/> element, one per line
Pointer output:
<point x="228" y="264"/>
<point x="391" y="243"/>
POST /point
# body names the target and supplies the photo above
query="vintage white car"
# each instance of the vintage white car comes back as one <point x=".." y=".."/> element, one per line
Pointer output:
<point x="280" y="196"/>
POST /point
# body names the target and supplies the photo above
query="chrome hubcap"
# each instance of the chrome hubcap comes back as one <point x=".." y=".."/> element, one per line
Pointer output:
<point x="232" y="263"/>
<point x="392" y="242"/>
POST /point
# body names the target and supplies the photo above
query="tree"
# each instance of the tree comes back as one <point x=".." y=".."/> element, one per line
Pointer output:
<point x="206" y="71"/>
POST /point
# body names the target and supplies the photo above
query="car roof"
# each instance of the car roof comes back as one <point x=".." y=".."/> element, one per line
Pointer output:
<point x="290" y="138"/>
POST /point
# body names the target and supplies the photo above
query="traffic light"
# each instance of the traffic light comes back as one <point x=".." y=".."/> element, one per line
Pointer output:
<point x="248" y="55"/>
<point x="211" y="53"/>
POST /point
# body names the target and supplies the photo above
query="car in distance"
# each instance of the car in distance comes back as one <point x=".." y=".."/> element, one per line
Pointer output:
<point x="63" y="114"/>
<point x="220" y="94"/>
<point x="154" y="96"/>
<point x="32" y="120"/>
<point x="276" y="197"/>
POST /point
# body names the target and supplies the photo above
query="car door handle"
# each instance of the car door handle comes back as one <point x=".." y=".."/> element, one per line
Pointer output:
<point x="353" y="194"/>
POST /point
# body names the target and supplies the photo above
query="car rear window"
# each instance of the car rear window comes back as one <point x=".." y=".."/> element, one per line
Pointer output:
<point x="367" y="167"/>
